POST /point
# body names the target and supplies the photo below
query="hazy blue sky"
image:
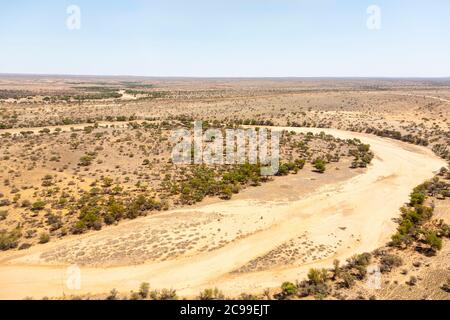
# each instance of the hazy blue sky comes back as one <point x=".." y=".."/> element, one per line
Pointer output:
<point x="226" y="38"/>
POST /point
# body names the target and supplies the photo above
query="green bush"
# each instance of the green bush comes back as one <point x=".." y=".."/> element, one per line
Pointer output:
<point x="86" y="161"/>
<point x="283" y="170"/>
<point x="417" y="198"/>
<point x="3" y="214"/>
<point x="211" y="294"/>
<point x="288" y="289"/>
<point x="390" y="261"/>
<point x="360" y="260"/>
<point x="164" y="294"/>
<point x="107" y="182"/>
<point x="409" y="226"/>
<point x="309" y="288"/>
<point x="419" y="194"/>
<point x="79" y="227"/>
<point x="320" y="165"/>
<point x="446" y="286"/>
<point x="38" y="205"/>
<point x="9" y="240"/>
<point x="398" y="239"/>
<point x="144" y="290"/>
<point x="114" y="211"/>
<point x="226" y="192"/>
<point x="433" y="240"/>
<point x="317" y="276"/>
<point x="44" y="238"/>
<point x="300" y="163"/>
<point x="348" y="280"/>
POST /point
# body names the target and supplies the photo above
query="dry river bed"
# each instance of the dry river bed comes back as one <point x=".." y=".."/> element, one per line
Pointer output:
<point x="255" y="241"/>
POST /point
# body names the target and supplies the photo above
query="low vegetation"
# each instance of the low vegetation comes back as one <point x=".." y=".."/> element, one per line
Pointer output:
<point x="115" y="173"/>
<point x="414" y="225"/>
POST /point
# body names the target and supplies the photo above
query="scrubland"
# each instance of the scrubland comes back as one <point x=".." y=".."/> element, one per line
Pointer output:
<point x="87" y="179"/>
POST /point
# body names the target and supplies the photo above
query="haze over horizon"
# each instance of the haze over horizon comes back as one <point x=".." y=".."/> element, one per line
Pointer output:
<point x="223" y="77"/>
<point x="230" y="39"/>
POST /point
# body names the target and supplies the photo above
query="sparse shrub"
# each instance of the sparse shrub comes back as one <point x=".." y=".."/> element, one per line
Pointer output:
<point x="336" y="269"/>
<point x="47" y="181"/>
<point x="226" y="192"/>
<point x="44" y="238"/>
<point x="360" y="260"/>
<point x="3" y="214"/>
<point x="390" y="261"/>
<point x="9" y="240"/>
<point x="168" y="294"/>
<point x="443" y="171"/>
<point x="412" y="281"/>
<point x="358" y="263"/>
<point x="4" y="202"/>
<point x="38" y="205"/>
<point x="320" y="165"/>
<point x="348" y="280"/>
<point x="248" y="296"/>
<point x="112" y="295"/>
<point x="211" y="294"/>
<point x="418" y="195"/>
<point x="79" y="227"/>
<point x="24" y="246"/>
<point x="433" y="241"/>
<point x="135" y="296"/>
<point x="307" y="288"/>
<point x="16" y="198"/>
<point x="446" y="286"/>
<point x="316" y="285"/>
<point x="288" y="289"/>
<point x="107" y="182"/>
<point x="144" y="290"/>
<point x="86" y="161"/>
<point x="300" y="163"/>
<point x="283" y="170"/>
<point x="317" y="276"/>
<point x="417" y="198"/>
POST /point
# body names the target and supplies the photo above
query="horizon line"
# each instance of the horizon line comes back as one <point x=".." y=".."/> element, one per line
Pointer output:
<point x="224" y="77"/>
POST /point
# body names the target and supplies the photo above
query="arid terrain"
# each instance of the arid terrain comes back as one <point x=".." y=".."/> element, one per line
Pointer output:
<point x="87" y="182"/>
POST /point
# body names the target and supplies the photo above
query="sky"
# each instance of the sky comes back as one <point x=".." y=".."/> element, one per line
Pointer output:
<point x="227" y="38"/>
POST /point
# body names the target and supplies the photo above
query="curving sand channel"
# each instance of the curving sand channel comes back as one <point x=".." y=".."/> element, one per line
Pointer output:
<point x="347" y="217"/>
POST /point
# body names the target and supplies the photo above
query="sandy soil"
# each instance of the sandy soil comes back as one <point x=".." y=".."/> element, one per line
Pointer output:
<point x="336" y="220"/>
